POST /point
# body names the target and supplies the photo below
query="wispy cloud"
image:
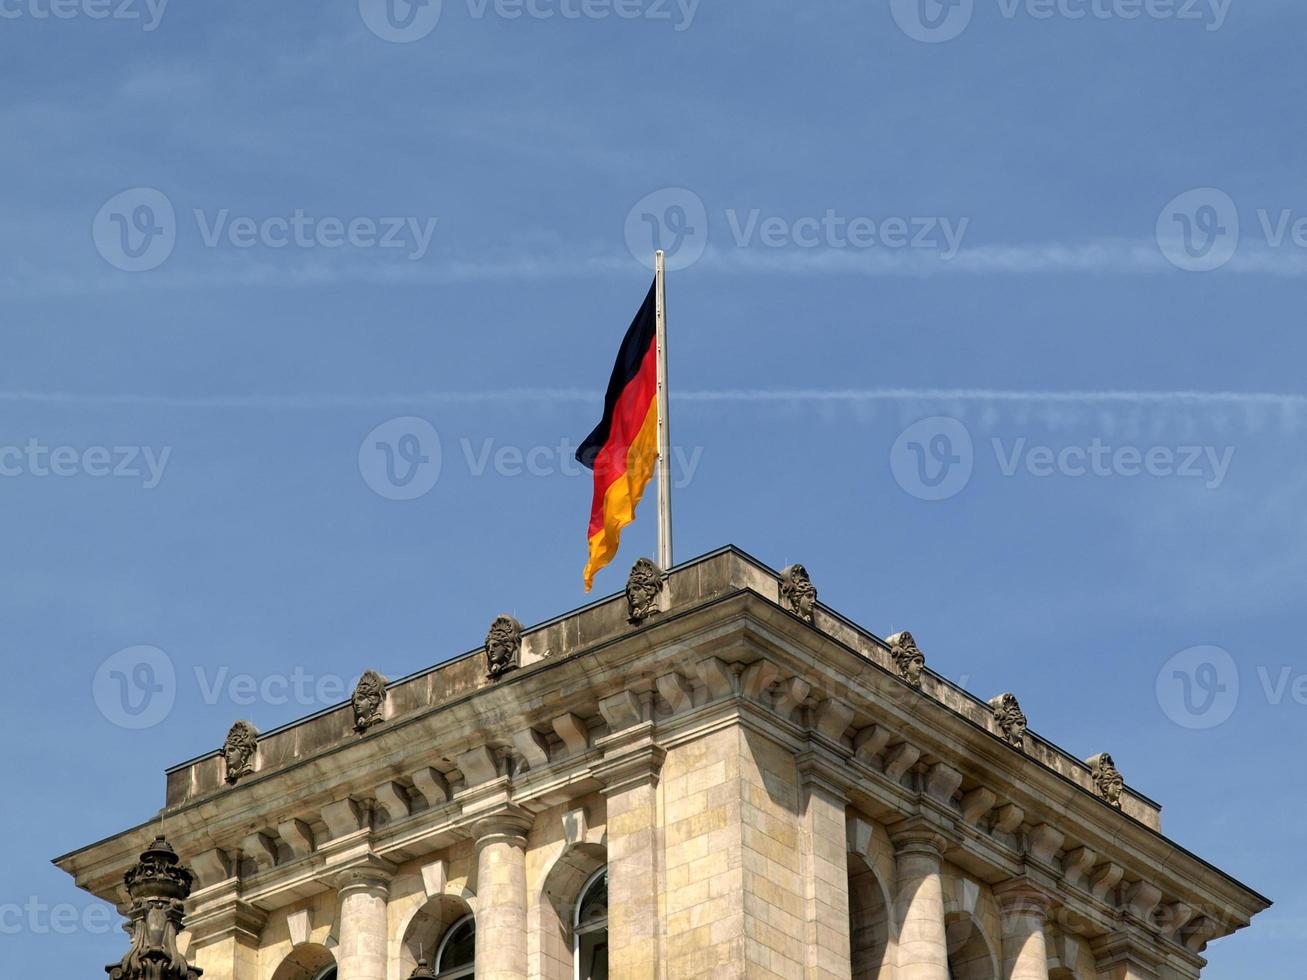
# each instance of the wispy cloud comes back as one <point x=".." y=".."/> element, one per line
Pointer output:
<point x="1112" y="258"/>
<point x="1288" y="402"/>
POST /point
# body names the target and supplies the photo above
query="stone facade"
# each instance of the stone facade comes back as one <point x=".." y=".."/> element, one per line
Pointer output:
<point x="769" y="794"/>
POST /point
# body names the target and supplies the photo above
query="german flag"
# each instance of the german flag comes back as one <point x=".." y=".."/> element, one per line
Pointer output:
<point x="623" y="448"/>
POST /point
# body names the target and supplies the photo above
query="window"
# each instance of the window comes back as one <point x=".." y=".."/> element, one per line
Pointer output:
<point x="328" y="974"/>
<point x="590" y="930"/>
<point x="457" y="954"/>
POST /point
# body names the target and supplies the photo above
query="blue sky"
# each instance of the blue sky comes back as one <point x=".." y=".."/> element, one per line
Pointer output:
<point x="1044" y="268"/>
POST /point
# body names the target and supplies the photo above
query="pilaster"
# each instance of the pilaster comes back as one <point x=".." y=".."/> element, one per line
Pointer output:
<point x="630" y="771"/>
<point x="824" y="846"/>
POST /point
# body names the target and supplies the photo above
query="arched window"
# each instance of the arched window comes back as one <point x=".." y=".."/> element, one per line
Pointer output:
<point x="456" y="956"/>
<point x="328" y="974"/>
<point x="590" y="929"/>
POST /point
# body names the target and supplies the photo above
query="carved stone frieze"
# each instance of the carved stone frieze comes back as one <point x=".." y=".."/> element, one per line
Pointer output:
<point x="239" y="750"/>
<point x="1011" y="720"/>
<point x="503" y="647"/>
<point x="909" y="660"/>
<point x="369" y="701"/>
<point x="643" y="587"/>
<point x="798" y="593"/>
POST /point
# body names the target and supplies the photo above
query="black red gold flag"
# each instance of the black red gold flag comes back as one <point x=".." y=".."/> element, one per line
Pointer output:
<point x="623" y="448"/>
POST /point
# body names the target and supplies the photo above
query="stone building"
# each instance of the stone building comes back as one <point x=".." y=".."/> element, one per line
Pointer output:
<point x="713" y="776"/>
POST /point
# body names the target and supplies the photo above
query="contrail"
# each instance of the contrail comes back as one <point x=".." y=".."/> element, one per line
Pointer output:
<point x="794" y="396"/>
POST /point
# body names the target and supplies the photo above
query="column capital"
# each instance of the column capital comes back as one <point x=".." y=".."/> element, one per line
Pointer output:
<point x="508" y="824"/>
<point x="371" y="873"/>
<point x="1024" y="897"/>
<point x="918" y="835"/>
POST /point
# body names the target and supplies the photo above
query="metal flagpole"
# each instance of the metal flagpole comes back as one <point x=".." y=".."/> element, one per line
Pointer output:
<point x="664" y="437"/>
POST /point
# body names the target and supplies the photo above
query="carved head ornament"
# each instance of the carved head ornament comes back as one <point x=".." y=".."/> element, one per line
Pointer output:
<point x="798" y="593"/>
<point x="907" y="657"/>
<point x="239" y="750"/>
<point x="369" y="701"/>
<point x="503" y="646"/>
<point x="1011" y="720"/>
<point x="1107" y="779"/>
<point x="643" y="587"/>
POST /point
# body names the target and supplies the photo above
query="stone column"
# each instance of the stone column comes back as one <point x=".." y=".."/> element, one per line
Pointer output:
<point x="1025" y="909"/>
<point x="363" y="892"/>
<point x="919" y="902"/>
<point x="630" y="771"/>
<point x="824" y="845"/>
<point x="501" y="894"/>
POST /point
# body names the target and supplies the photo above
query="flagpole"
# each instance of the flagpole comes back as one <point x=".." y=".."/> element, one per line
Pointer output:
<point x="664" y="436"/>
